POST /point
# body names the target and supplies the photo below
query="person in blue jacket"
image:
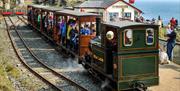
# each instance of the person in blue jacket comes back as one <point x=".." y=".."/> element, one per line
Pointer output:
<point x="171" y="44"/>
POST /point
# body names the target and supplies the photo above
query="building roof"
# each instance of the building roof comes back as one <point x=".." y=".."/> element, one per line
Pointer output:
<point x="76" y="13"/>
<point x="125" y="23"/>
<point x="103" y="4"/>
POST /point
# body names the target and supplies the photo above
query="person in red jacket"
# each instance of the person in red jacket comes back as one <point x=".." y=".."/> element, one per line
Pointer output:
<point x="173" y="22"/>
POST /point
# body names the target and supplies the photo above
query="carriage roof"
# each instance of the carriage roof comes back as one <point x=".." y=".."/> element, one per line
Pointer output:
<point x="37" y="6"/>
<point x="75" y="13"/>
<point x="126" y="23"/>
<point x="52" y="8"/>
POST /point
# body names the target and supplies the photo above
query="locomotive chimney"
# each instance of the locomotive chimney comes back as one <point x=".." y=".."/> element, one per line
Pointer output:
<point x="98" y="26"/>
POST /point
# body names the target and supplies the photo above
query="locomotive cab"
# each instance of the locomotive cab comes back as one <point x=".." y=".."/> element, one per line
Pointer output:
<point x="126" y="54"/>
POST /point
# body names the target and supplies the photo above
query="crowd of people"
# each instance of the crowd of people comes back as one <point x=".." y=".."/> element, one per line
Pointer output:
<point x="69" y="32"/>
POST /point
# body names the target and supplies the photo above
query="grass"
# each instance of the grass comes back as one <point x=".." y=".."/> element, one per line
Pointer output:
<point x="5" y="83"/>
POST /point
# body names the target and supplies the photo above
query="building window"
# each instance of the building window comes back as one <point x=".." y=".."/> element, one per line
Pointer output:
<point x="128" y="37"/>
<point x="127" y="15"/>
<point x="149" y="36"/>
<point x="114" y="16"/>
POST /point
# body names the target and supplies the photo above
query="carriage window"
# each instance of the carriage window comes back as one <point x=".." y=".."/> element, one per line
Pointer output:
<point x="128" y="37"/>
<point x="149" y="36"/>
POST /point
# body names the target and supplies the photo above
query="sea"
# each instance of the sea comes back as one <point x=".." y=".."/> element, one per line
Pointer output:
<point x="166" y="10"/>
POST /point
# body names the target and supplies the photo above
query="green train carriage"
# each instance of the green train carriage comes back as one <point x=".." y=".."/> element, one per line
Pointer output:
<point x="125" y="54"/>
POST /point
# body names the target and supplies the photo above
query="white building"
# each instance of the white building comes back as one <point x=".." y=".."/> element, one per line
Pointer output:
<point x="111" y="10"/>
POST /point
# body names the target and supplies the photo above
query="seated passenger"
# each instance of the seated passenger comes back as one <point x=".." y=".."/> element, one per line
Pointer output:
<point x="150" y="37"/>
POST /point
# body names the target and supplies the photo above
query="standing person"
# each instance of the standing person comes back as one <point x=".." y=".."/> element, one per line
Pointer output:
<point x="93" y="30"/>
<point x="171" y="44"/>
<point x="39" y="20"/>
<point x="45" y="22"/>
<point x="63" y="31"/>
<point x="87" y="30"/>
<point x="176" y="23"/>
<point x="68" y="35"/>
<point x="73" y="38"/>
<point x="173" y="22"/>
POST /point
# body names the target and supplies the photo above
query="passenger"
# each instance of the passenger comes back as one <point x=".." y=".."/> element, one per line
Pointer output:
<point x="51" y="19"/>
<point x="171" y="44"/>
<point x="93" y="30"/>
<point x="39" y="20"/>
<point x="50" y="25"/>
<point x="74" y="36"/>
<point x="63" y="32"/>
<point x="68" y="35"/>
<point x="59" y="27"/>
<point x="82" y="31"/>
<point x="150" y="36"/>
<point x="46" y="23"/>
<point x="86" y="30"/>
<point x="34" y="16"/>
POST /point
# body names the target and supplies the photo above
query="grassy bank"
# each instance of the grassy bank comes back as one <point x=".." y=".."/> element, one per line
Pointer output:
<point x="6" y="68"/>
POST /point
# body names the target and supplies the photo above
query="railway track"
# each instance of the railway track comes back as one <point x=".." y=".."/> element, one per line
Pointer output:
<point x="59" y="82"/>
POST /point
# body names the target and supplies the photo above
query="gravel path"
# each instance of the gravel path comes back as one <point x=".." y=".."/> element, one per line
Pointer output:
<point x="169" y="78"/>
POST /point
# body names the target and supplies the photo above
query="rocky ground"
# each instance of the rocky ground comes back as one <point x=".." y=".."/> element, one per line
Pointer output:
<point x="13" y="76"/>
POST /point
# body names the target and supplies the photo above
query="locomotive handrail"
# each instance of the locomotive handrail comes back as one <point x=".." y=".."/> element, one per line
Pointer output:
<point x="177" y="43"/>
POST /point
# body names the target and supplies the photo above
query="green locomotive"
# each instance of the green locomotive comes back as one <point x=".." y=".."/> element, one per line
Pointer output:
<point x="125" y="55"/>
